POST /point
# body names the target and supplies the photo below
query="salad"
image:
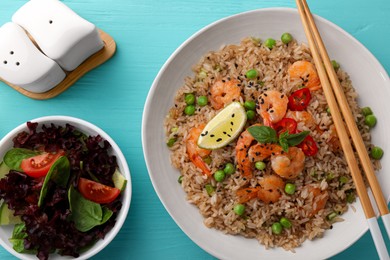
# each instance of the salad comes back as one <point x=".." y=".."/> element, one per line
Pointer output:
<point x="61" y="190"/>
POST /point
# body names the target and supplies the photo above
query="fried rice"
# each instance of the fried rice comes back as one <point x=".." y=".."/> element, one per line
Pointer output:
<point x="322" y="170"/>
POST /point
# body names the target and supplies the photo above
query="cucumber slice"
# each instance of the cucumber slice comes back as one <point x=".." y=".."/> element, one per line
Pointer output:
<point x="7" y="216"/>
<point x="119" y="180"/>
<point x="4" y="170"/>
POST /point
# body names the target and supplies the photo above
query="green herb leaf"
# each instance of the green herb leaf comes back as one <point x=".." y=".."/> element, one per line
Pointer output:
<point x="295" y="139"/>
<point x="263" y="134"/>
<point x="284" y="144"/>
<point x="86" y="214"/>
<point x="107" y="213"/>
<point x="59" y="173"/>
<point x="17" y="239"/>
<point x="19" y="231"/>
<point x="14" y="157"/>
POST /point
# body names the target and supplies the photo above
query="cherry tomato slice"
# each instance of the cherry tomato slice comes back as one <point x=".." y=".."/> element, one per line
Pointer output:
<point x="97" y="192"/>
<point x="286" y="124"/>
<point x="299" y="99"/>
<point x="39" y="165"/>
<point x="308" y="146"/>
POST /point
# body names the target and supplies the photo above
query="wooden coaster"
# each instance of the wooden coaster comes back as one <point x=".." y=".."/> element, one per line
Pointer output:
<point x="92" y="62"/>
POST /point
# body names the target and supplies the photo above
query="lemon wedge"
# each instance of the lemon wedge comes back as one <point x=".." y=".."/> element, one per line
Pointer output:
<point x="224" y="127"/>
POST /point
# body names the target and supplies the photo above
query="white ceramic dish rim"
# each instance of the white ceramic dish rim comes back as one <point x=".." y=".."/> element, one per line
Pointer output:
<point x="89" y="129"/>
<point x="196" y="237"/>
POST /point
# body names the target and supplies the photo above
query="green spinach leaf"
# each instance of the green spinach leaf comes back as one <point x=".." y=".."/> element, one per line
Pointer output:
<point x="263" y="134"/>
<point x="86" y="214"/>
<point x="13" y="158"/>
<point x="59" y="173"/>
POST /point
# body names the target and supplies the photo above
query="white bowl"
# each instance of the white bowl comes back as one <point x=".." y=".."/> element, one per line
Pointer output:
<point x="368" y="77"/>
<point x="89" y="129"/>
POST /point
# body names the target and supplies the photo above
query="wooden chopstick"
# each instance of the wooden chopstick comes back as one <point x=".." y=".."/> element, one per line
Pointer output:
<point x="343" y="135"/>
<point x="348" y="117"/>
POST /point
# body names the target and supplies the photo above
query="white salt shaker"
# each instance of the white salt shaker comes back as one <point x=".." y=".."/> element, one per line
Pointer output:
<point x="59" y="32"/>
<point x="23" y="65"/>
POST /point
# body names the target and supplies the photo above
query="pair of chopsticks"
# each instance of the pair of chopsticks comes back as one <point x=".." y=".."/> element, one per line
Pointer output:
<point x="336" y="99"/>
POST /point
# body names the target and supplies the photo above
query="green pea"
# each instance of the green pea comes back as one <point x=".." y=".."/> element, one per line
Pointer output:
<point x="367" y="111"/>
<point x="335" y="65"/>
<point x="189" y="110"/>
<point x="250" y="114"/>
<point x="376" y="152"/>
<point x="207" y="159"/>
<point x="343" y="179"/>
<point x="180" y="179"/>
<point x="202" y="101"/>
<point x="229" y="169"/>
<point x="260" y="165"/>
<point x="189" y="99"/>
<point x="286" y="38"/>
<point x="277" y="228"/>
<point x="331" y="216"/>
<point x="290" y="188"/>
<point x="174" y="129"/>
<point x="328" y="110"/>
<point x="270" y="43"/>
<point x="239" y="209"/>
<point x="209" y="188"/>
<point x="370" y="120"/>
<point x="350" y="197"/>
<point x="251" y="74"/>
<point x="250" y="105"/>
<point x="219" y="175"/>
<point x="171" y="142"/>
<point x="285" y="222"/>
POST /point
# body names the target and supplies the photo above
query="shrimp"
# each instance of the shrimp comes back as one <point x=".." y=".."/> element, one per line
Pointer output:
<point x="260" y="152"/>
<point x="224" y="92"/>
<point x="272" y="106"/>
<point x="305" y="71"/>
<point x="303" y="116"/>
<point x="195" y="152"/>
<point x="245" y="156"/>
<point x="244" y="165"/>
<point x="319" y="199"/>
<point x="288" y="165"/>
<point x="269" y="190"/>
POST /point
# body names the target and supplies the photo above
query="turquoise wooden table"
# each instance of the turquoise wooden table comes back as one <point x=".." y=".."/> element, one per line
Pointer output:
<point x="112" y="96"/>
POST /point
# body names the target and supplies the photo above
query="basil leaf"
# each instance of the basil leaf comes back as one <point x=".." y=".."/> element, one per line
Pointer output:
<point x="14" y="157"/>
<point x="283" y="143"/>
<point x="263" y="134"/>
<point x="295" y="139"/>
<point x="59" y="173"/>
<point x="86" y="214"/>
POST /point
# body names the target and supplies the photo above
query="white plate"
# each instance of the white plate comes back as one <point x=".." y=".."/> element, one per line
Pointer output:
<point x="88" y="129"/>
<point x="368" y="77"/>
